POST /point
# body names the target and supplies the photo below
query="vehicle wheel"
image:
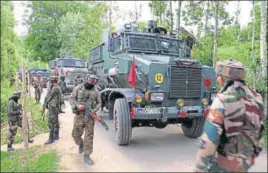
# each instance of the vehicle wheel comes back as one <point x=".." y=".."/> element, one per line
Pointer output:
<point x="122" y="122"/>
<point x="193" y="128"/>
<point x="111" y="109"/>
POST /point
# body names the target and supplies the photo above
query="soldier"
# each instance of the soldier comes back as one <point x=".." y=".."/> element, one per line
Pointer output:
<point x="12" y="80"/>
<point x="78" y="79"/>
<point x="83" y="93"/>
<point x="232" y="137"/>
<point x="37" y="87"/>
<point x="52" y="103"/>
<point x="62" y="84"/>
<point x="14" y="112"/>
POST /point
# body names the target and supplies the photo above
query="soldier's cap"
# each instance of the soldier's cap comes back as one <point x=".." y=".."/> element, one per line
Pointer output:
<point x="232" y="69"/>
<point x="92" y="76"/>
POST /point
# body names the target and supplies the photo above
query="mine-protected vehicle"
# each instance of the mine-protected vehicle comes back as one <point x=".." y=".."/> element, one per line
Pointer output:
<point x="170" y="87"/>
<point x="69" y="67"/>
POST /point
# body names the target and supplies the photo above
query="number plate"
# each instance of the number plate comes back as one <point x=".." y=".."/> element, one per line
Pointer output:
<point x="192" y="108"/>
<point x="148" y="111"/>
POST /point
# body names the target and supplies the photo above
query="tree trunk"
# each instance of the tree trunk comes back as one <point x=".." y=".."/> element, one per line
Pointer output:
<point x="237" y="24"/>
<point x="263" y="30"/>
<point x="199" y="30"/>
<point x="252" y="46"/>
<point x="215" y="33"/>
<point x="136" y="11"/>
<point x="24" y="114"/>
<point x="171" y="16"/>
<point x="179" y="16"/>
<point x="207" y="17"/>
<point x="31" y="109"/>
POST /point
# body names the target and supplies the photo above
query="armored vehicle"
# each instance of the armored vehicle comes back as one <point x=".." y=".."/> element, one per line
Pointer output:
<point x="170" y="87"/>
<point x="69" y="66"/>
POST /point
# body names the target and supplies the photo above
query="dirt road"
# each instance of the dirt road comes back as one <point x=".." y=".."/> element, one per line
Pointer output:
<point x="150" y="150"/>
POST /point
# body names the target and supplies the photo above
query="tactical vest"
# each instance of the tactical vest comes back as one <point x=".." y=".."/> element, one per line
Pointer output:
<point x="243" y="118"/>
<point x="15" y="108"/>
<point x="56" y="99"/>
<point x="84" y="95"/>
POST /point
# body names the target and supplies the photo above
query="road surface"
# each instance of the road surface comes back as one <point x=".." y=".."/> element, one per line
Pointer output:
<point x="150" y="150"/>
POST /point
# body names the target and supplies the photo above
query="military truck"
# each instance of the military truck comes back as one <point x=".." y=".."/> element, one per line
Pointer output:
<point x="69" y="67"/>
<point x="171" y="87"/>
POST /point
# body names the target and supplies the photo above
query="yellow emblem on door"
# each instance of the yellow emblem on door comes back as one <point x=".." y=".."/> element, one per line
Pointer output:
<point x="159" y="78"/>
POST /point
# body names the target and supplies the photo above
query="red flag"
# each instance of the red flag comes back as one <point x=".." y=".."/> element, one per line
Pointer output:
<point x="132" y="74"/>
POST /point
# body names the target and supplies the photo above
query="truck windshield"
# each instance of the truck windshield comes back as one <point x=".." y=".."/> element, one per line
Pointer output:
<point x="71" y="63"/>
<point x="168" y="46"/>
<point x="142" y="43"/>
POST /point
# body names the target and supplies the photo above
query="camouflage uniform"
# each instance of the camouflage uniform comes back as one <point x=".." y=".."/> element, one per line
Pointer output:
<point x="232" y="137"/>
<point x="85" y="93"/>
<point x="13" y="113"/>
<point x="12" y="80"/>
<point x="37" y="86"/>
<point x="52" y="102"/>
<point x="62" y="84"/>
<point x="78" y="79"/>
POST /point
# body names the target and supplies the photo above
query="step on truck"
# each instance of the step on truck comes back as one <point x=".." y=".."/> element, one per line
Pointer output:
<point x="171" y="87"/>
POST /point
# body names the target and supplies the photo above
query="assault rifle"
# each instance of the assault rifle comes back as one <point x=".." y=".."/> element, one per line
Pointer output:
<point x="88" y="112"/>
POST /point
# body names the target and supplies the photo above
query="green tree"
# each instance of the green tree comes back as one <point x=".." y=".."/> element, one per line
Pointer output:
<point x="159" y="8"/>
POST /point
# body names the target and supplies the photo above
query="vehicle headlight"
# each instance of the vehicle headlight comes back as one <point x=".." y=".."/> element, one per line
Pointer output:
<point x="205" y="101"/>
<point x="180" y="102"/>
<point x="138" y="99"/>
<point x="156" y="96"/>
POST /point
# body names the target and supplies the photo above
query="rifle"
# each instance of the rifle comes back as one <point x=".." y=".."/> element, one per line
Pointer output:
<point x="94" y="116"/>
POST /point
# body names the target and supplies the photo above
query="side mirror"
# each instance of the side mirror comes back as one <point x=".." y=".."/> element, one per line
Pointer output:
<point x="111" y="44"/>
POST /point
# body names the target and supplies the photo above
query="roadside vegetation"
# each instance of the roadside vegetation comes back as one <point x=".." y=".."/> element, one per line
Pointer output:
<point x="35" y="159"/>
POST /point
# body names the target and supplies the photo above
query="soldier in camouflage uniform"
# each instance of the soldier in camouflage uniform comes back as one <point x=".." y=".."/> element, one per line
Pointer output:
<point x="52" y="103"/>
<point x="78" y="79"/>
<point x="62" y="84"/>
<point x="37" y="86"/>
<point x="14" y="113"/>
<point x="233" y="133"/>
<point x="83" y="93"/>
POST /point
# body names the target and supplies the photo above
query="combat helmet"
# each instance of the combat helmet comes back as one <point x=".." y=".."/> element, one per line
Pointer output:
<point x="78" y="74"/>
<point x="231" y="69"/>
<point x="92" y="76"/>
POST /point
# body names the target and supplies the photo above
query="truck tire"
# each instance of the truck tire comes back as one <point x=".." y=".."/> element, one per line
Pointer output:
<point x="111" y="109"/>
<point x="193" y="128"/>
<point x="122" y="122"/>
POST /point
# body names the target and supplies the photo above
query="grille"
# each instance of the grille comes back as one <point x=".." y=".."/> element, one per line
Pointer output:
<point x="179" y="88"/>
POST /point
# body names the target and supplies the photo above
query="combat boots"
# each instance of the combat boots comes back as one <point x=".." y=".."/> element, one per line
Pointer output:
<point x="88" y="160"/>
<point x="9" y="148"/>
<point x="49" y="141"/>
<point x="80" y="150"/>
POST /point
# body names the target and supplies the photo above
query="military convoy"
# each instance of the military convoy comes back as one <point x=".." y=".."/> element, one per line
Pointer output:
<point x="69" y="67"/>
<point x="170" y="88"/>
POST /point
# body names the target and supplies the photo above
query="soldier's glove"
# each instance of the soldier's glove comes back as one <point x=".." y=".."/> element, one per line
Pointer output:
<point x="81" y="107"/>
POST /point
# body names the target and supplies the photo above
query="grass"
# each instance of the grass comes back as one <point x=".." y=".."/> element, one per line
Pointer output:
<point x="35" y="159"/>
<point x="39" y="125"/>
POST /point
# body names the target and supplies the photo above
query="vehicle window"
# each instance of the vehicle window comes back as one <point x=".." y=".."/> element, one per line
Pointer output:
<point x="169" y="47"/>
<point x="79" y="63"/>
<point x="118" y="44"/>
<point x="142" y="43"/>
<point x="67" y="63"/>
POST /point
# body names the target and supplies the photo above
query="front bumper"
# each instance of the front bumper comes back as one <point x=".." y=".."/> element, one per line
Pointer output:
<point x="165" y="113"/>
